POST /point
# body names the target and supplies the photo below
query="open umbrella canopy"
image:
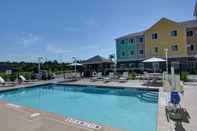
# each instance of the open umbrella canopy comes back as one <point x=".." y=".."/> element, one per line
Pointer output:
<point x="75" y="64"/>
<point x="154" y="59"/>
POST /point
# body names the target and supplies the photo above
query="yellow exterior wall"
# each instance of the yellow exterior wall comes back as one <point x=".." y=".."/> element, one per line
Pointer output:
<point x="163" y="29"/>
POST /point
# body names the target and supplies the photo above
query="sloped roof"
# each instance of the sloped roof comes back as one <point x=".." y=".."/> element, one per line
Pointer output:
<point x="132" y="35"/>
<point x="5" y="67"/>
<point x="97" y="60"/>
<point x="164" y="19"/>
<point x="189" y="23"/>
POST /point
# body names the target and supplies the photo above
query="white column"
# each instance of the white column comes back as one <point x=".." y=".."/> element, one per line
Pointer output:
<point x="166" y="53"/>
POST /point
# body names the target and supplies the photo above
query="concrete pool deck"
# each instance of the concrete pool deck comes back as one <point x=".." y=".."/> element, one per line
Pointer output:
<point x="25" y="119"/>
<point x="188" y="102"/>
<point x="17" y="119"/>
<point x="128" y="84"/>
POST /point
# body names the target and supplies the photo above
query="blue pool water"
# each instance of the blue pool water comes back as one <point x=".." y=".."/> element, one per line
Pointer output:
<point x="129" y="109"/>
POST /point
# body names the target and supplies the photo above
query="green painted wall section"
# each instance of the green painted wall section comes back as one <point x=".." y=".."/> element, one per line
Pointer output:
<point x="126" y="50"/>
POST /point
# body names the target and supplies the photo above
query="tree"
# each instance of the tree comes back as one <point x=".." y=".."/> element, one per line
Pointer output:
<point x="111" y="56"/>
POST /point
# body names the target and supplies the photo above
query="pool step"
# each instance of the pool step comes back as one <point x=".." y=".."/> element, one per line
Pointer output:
<point x="149" y="97"/>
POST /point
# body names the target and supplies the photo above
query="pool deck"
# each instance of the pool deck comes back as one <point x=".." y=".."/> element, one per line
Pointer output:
<point x="19" y="118"/>
<point x="14" y="118"/>
<point x="130" y="84"/>
<point x="188" y="102"/>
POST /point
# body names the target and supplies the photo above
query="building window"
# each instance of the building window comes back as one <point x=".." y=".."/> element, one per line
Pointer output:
<point x="174" y="47"/>
<point x="131" y="52"/>
<point x="141" y="52"/>
<point x="175" y="64"/>
<point x="190" y="33"/>
<point x="192" y="47"/>
<point x="173" y="33"/>
<point x="122" y="65"/>
<point x="123" y="54"/>
<point x="154" y="36"/>
<point x="131" y="65"/>
<point x="122" y="41"/>
<point x="131" y="41"/>
<point x="156" y="49"/>
<point x="141" y="39"/>
<point x="141" y="65"/>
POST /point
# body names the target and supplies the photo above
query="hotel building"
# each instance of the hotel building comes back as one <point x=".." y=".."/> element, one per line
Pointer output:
<point x="178" y="38"/>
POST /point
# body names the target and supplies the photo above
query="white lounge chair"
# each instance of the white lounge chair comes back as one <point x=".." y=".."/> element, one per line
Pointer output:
<point x="2" y="81"/>
<point x="97" y="76"/>
<point x="21" y="77"/>
<point x="109" y="78"/>
<point x="124" y="77"/>
<point x="69" y="77"/>
<point x="6" y="84"/>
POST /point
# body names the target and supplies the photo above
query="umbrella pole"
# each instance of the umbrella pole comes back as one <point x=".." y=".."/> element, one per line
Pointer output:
<point x="153" y="67"/>
<point x="173" y="79"/>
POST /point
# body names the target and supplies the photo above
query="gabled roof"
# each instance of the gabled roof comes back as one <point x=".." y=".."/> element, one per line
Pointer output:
<point x="132" y="35"/>
<point x="5" y="67"/>
<point x="142" y="32"/>
<point x="164" y="19"/>
<point x="96" y="60"/>
<point x="189" y="23"/>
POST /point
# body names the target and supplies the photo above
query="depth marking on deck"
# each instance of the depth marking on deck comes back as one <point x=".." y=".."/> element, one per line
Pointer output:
<point x="34" y="115"/>
<point x="13" y="105"/>
<point x="83" y="123"/>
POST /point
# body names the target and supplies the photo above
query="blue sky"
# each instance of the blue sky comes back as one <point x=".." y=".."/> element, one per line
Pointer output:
<point x="61" y="29"/>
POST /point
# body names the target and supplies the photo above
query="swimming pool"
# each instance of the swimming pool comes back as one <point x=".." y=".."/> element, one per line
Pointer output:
<point x="129" y="109"/>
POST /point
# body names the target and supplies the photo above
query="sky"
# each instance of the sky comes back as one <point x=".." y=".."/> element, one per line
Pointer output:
<point x="62" y="29"/>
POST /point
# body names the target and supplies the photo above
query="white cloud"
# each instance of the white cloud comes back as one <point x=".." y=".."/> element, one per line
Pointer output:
<point x="56" y="50"/>
<point x="29" y="39"/>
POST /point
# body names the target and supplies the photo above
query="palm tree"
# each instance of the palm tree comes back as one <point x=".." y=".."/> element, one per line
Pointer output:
<point x="112" y="57"/>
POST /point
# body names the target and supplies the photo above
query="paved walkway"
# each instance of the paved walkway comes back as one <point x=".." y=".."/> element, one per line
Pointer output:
<point x="188" y="102"/>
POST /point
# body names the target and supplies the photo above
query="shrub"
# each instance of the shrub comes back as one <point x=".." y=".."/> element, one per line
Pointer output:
<point x="194" y="72"/>
<point x="4" y="76"/>
<point x="132" y="76"/>
<point x="9" y="77"/>
<point x="183" y="76"/>
<point x="12" y="77"/>
<point x="27" y="75"/>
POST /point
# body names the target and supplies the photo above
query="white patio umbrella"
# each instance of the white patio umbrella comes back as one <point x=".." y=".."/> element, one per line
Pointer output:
<point x="75" y="65"/>
<point x="154" y="60"/>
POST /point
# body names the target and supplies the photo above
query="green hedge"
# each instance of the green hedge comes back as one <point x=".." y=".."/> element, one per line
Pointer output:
<point x="132" y="75"/>
<point x="183" y="76"/>
<point x="9" y="77"/>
